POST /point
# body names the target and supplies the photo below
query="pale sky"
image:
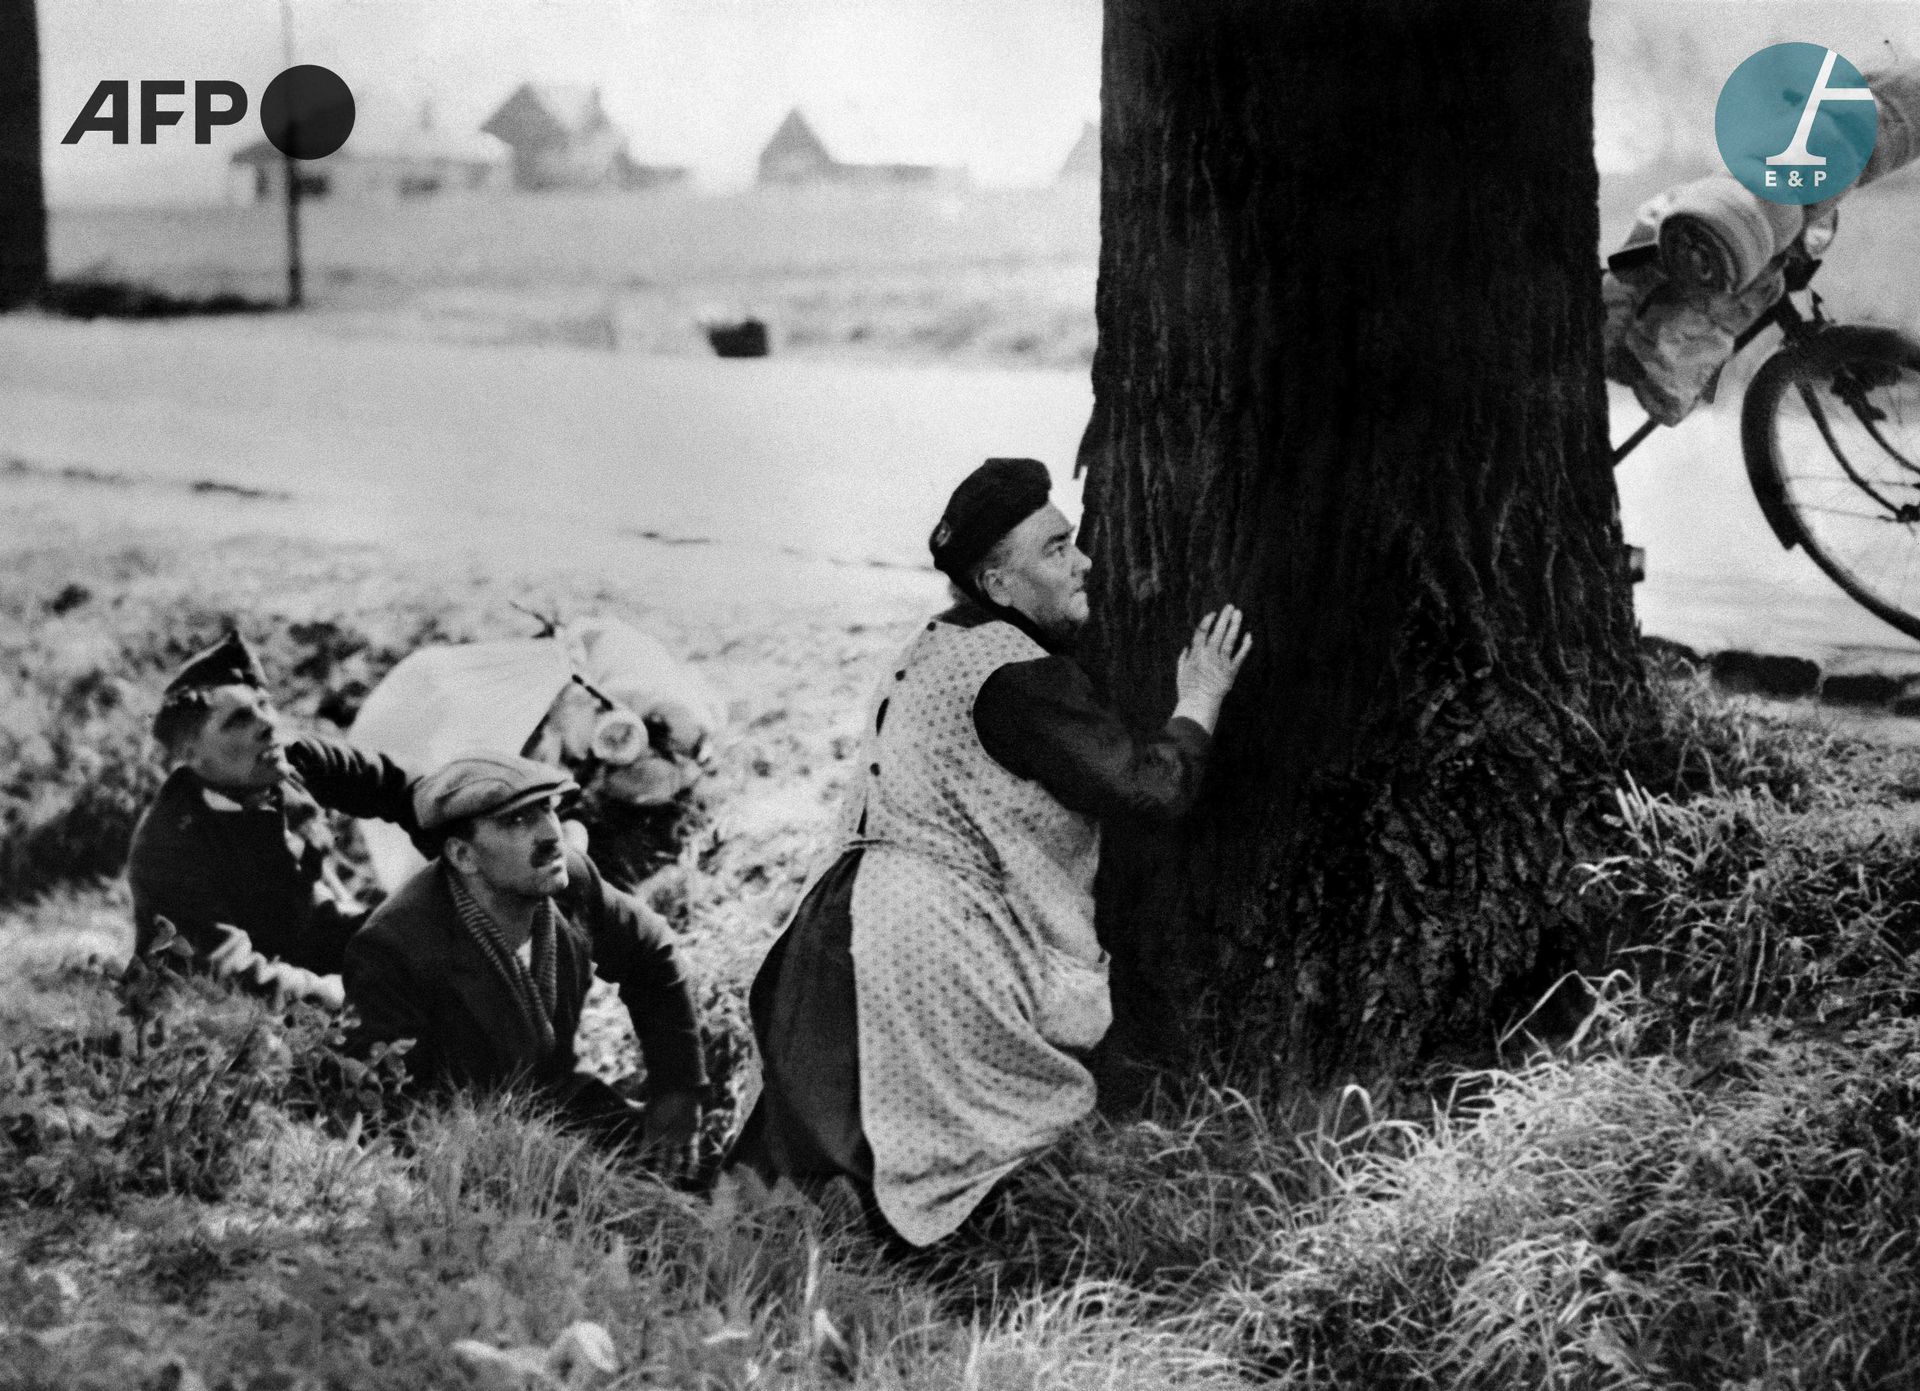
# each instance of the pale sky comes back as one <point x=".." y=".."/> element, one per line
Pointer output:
<point x="1001" y="86"/>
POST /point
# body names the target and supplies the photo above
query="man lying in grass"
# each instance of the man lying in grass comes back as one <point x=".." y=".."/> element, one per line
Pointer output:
<point x="484" y="958"/>
<point x="234" y="851"/>
<point x="924" y="1020"/>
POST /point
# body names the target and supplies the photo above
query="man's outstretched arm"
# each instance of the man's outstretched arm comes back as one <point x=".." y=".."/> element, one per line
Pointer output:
<point x="341" y="778"/>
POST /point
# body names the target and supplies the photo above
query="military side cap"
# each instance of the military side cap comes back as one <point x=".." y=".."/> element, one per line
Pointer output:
<point x="484" y="784"/>
<point x="229" y="662"/>
<point x="991" y="501"/>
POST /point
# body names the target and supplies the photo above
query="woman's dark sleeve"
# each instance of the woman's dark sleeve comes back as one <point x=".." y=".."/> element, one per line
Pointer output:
<point x="1042" y="720"/>
<point x="633" y="948"/>
<point x="342" y="778"/>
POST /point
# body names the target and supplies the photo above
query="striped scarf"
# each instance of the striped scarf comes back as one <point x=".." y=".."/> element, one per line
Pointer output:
<point x="535" y="995"/>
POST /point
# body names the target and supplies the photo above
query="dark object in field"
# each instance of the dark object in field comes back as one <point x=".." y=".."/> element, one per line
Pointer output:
<point x="1758" y="673"/>
<point x="241" y="490"/>
<point x="741" y="338"/>
<point x="68" y="599"/>
<point x="120" y="299"/>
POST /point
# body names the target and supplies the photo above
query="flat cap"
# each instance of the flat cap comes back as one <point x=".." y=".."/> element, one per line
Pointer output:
<point x="991" y="501"/>
<point x="482" y="784"/>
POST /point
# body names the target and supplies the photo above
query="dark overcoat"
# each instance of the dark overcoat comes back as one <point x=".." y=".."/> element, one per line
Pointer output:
<point x="264" y="869"/>
<point x="414" y="973"/>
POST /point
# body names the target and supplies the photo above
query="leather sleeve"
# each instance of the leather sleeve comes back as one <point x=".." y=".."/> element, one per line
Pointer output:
<point x="345" y="779"/>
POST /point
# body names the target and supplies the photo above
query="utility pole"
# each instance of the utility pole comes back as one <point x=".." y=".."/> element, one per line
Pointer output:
<point x="296" y="294"/>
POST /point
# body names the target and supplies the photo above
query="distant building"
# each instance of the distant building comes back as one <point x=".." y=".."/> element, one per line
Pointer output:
<point x="796" y="155"/>
<point x="561" y="137"/>
<point x="1083" y="160"/>
<point x="413" y="161"/>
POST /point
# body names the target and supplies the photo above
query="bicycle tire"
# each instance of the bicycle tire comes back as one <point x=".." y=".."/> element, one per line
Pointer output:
<point x="1830" y="477"/>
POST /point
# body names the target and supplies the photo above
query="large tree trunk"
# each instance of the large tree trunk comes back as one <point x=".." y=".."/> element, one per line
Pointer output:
<point x="1348" y="378"/>
<point x="23" y="203"/>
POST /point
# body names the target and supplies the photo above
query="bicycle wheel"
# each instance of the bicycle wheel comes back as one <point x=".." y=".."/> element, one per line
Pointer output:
<point x="1831" y="433"/>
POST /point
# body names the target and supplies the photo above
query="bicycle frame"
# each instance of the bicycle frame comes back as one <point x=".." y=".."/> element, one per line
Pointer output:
<point x="1784" y="315"/>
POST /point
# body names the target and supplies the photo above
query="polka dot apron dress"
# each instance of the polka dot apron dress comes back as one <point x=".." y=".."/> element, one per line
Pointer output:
<point x="979" y="983"/>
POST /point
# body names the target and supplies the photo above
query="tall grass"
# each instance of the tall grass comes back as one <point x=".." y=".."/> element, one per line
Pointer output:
<point x="1617" y="1221"/>
<point x="1707" y="744"/>
<point x="483" y="1223"/>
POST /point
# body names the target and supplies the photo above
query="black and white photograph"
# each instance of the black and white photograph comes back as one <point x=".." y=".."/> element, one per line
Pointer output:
<point x="985" y="694"/>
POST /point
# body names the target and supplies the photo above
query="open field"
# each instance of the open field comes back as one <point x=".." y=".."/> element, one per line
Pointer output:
<point x="1000" y="275"/>
<point x="964" y="273"/>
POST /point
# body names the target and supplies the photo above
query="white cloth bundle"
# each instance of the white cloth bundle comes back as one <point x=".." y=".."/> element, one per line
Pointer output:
<point x="522" y="696"/>
<point x="635" y="669"/>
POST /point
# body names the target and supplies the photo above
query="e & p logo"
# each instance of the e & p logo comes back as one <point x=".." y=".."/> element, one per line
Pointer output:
<point x="1796" y="123"/>
<point x="306" y="111"/>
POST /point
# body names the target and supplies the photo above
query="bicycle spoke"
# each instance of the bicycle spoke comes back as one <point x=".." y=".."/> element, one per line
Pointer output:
<point x="1826" y="432"/>
<point x="1877" y="517"/>
<point x="1870" y="420"/>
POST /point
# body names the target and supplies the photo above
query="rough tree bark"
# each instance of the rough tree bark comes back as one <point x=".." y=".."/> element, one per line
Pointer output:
<point x="1348" y="378"/>
<point x="23" y="204"/>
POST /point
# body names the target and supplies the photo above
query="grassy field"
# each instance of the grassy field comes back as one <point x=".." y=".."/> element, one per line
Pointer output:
<point x="1711" y="1186"/>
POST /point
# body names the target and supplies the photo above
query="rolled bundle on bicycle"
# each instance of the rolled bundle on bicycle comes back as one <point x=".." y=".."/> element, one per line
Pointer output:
<point x="1717" y="237"/>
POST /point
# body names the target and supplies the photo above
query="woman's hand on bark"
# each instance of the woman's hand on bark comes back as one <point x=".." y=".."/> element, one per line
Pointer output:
<point x="1209" y="666"/>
